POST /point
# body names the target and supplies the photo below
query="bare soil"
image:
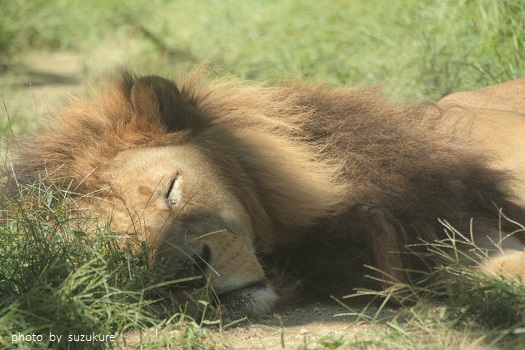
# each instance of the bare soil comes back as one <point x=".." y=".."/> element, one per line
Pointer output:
<point x="307" y="326"/>
<point x="311" y="325"/>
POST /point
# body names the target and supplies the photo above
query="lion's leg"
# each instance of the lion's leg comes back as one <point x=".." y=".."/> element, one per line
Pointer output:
<point x="386" y="242"/>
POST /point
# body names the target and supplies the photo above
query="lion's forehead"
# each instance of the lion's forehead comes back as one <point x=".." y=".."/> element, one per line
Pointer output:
<point x="160" y="159"/>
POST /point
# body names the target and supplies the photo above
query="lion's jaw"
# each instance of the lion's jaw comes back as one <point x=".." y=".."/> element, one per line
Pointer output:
<point x="171" y="198"/>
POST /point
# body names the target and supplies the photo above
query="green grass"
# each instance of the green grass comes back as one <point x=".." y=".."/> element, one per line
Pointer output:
<point x="55" y="278"/>
<point x="421" y="49"/>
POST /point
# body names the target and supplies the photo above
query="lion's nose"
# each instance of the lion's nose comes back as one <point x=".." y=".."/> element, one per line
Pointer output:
<point x="196" y="266"/>
<point x="202" y="261"/>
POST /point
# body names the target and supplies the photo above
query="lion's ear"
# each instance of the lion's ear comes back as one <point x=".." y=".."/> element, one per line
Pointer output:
<point x="156" y="97"/>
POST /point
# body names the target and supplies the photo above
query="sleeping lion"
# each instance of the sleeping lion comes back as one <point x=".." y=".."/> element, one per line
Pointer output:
<point x="230" y="180"/>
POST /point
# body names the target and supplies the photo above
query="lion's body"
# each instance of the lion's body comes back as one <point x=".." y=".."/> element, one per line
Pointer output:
<point x="316" y="181"/>
<point x="494" y="119"/>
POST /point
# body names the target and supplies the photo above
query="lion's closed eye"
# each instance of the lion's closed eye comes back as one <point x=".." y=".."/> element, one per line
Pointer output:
<point x="173" y="194"/>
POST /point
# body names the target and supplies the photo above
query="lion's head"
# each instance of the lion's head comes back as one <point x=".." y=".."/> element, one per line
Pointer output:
<point x="192" y="176"/>
<point x="183" y="207"/>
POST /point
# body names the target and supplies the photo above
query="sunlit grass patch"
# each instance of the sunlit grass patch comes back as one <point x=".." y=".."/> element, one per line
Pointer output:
<point x="416" y="49"/>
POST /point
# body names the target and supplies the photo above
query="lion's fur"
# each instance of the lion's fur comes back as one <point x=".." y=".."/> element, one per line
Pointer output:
<point x="333" y="178"/>
<point x="494" y="118"/>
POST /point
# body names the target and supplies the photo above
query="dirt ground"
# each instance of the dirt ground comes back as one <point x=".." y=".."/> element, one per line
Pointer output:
<point x="42" y="85"/>
<point x="312" y="325"/>
<point x="308" y="325"/>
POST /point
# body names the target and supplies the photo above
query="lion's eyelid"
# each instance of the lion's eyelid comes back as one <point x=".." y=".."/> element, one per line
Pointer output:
<point x="173" y="194"/>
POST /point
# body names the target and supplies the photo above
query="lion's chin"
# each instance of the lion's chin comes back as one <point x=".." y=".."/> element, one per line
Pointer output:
<point x="252" y="300"/>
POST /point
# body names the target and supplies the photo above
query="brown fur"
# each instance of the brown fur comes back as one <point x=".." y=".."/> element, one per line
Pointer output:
<point x="332" y="179"/>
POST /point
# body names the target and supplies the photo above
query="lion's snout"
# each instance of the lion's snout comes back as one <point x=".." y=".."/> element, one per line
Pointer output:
<point x="202" y="252"/>
<point x="183" y="260"/>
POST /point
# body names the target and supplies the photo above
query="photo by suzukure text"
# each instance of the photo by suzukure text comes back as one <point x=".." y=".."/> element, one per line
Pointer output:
<point x="57" y="338"/>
